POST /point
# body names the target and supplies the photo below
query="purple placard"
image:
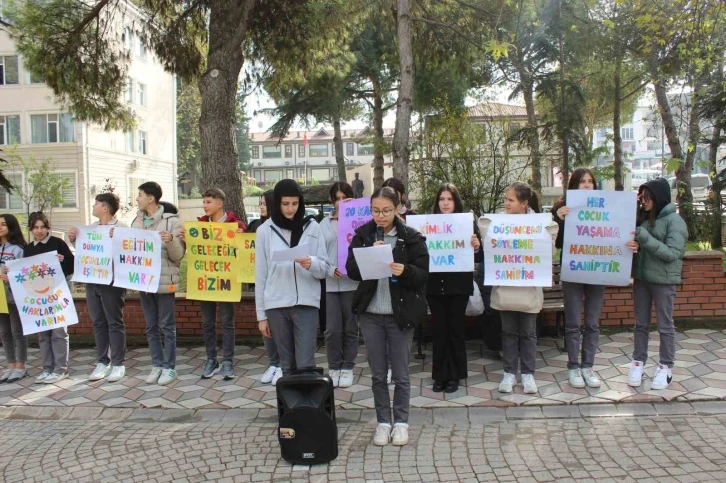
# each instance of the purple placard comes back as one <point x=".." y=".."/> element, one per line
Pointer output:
<point x="353" y="213"/>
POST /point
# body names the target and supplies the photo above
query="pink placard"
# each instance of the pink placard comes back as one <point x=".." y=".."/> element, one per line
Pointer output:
<point x="353" y="213"/>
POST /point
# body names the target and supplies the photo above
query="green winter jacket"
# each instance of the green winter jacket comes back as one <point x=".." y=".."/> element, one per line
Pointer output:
<point x="662" y="246"/>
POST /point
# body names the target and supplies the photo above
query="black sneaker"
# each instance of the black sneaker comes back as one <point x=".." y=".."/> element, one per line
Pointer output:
<point x="227" y="370"/>
<point x="210" y="368"/>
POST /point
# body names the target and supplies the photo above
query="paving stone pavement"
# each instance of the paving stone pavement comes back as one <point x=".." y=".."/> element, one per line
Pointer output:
<point x="699" y="375"/>
<point x="466" y="445"/>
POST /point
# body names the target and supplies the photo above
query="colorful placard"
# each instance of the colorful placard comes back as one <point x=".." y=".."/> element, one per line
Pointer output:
<point x="212" y="263"/>
<point x="137" y="259"/>
<point x="352" y="214"/>
<point x="246" y="256"/>
<point x="518" y="251"/>
<point x="93" y="262"/>
<point x="596" y="230"/>
<point x="448" y="238"/>
<point x="41" y="293"/>
<point x="3" y="300"/>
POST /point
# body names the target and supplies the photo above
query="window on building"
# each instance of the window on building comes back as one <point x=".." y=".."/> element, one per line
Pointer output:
<point x="514" y="128"/>
<point x="35" y="79"/>
<point x="274" y="175"/>
<point x="318" y="150"/>
<point x="255" y="152"/>
<point x="290" y="173"/>
<point x="133" y="188"/>
<point x="602" y="132"/>
<point x="301" y="151"/>
<point x="9" y="70"/>
<point x="365" y="149"/>
<point x="51" y="128"/>
<point x="320" y="175"/>
<point x="129" y="135"/>
<point x="70" y="191"/>
<point x="258" y="175"/>
<point x="142" y="141"/>
<point x="332" y="150"/>
<point x="141" y="48"/>
<point x="288" y="151"/>
<point x="652" y="132"/>
<point x="12" y="201"/>
<point x="141" y="94"/>
<point x="271" y="152"/>
<point x="627" y="133"/>
<point x="129" y="39"/>
<point x="349" y="149"/>
<point x="9" y="130"/>
<point x="129" y="90"/>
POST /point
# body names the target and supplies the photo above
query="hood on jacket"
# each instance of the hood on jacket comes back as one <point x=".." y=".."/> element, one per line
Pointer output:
<point x="661" y="190"/>
<point x="169" y="208"/>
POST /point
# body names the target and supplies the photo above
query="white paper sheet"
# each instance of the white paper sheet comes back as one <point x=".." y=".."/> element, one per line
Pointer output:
<point x="374" y="262"/>
<point x="292" y="254"/>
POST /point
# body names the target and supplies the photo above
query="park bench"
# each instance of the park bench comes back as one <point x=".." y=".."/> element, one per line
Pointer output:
<point x="554" y="302"/>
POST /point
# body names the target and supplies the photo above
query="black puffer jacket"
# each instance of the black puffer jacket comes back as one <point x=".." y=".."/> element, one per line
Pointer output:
<point x="456" y="283"/>
<point x="408" y="294"/>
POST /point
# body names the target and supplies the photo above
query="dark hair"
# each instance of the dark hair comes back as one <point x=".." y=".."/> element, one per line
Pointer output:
<point x="15" y="233"/>
<point x="37" y="216"/>
<point x="397" y="185"/>
<point x="387" y="193"/>
<point x="152" y="188"/>
<point x="169" y="208"/>
<point x="524" y="193"/>
<point x="215" y="193"/>
<point x="110" y="200"/>
<point x="574" y="184"/>
<point x="458" y="205"/>
<point x="340" y="186"/>
<point x="269" y="197"/>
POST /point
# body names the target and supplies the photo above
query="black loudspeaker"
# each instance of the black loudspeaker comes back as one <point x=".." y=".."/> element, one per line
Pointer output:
<point x="306" y="428"/>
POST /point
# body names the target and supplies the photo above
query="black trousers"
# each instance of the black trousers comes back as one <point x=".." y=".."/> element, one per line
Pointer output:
<point x="449" y="357"/>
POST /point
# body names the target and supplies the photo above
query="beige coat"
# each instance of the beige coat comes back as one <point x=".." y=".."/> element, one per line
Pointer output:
<point x="171" y="252"/>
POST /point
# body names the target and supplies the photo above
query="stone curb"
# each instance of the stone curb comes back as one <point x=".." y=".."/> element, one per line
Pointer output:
<point x="419" y="416"/>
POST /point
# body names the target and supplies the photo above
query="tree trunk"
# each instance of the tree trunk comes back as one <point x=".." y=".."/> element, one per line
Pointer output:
<point x="717" y="185"/>
<point x="669" y="124"/>
<point x="378" y="142"/>
<point x="401" y="148"/>
<point x="617" y="136"/>
<point x="533" y="132"/>
<point x="339" y="154"/>
<point x="564" y="126"/>
<point x="228" y="21"/>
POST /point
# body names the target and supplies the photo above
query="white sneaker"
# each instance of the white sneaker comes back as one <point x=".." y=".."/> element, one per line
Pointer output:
<point x="508" y="382"/>
<point x="42" y="377"/>
<point x="346" y="378"/>
<point x="100" y="372"/>
<point x="278" y="375"/>
<point x="383" y="435"/>
<point x="389" y="377"/>
<point x="662" y="377"/>
<point x="635" y="376"/>
<point x="154" y="375"/>
<point x="167" y="375"/>
<point x="268" y="375"/>
<point x="335" y="376"/>
<point x="399" y="436"/>
<point x="575" y="377"/>
<point x="117" y="373"/>
<point x="530" y="387"/>
<point x="53" y="378"/>
<point x="590" y="377"/>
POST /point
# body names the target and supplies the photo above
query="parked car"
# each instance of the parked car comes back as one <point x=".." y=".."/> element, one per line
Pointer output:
<point x="700" y="187"/>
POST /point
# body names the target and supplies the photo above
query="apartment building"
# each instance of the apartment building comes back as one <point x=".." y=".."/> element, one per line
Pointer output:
<point x="83" y="153"/>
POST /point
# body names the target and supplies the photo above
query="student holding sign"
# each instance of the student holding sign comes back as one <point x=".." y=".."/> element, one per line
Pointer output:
<point x="287" y="293"/>
<point x="341" y="331"/>
<point x="53" y="343"/>
<point x="106" y="303"/>
<point x="388" y="309"/>
<point x="661" y="238"/>
<point x="162" y="217"/>
<point x="518" y="306"/>
<point x="15" y="344"/>
<point x="448" y="296"/>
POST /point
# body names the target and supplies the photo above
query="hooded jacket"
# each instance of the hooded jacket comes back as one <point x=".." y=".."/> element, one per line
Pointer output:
<point x="166" y="219"/>
<point x="662" y="244"/>
<point x="408" y="293"/>
<point x="231" y="218"/>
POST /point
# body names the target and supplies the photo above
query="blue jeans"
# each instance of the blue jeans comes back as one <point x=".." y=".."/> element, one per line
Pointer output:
<point x="159" y="314"/>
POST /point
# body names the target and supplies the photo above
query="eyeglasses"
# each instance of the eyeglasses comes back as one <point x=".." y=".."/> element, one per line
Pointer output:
<point x="386" y="212"/>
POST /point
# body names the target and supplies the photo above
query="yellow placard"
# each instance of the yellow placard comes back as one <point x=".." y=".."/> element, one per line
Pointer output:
<point x="246" y="257"/>
<point x="212" y="262"/>
<point x="3" y="300"/>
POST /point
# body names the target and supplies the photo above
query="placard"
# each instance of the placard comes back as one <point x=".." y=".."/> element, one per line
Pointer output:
<point x="136" y="259"/>
<point x="41" y="293"/>
<point x="3" y="300"/>
<point x="448" y="238"/>
<point x="518" y="251"/>
<point x="94" y="255"/>
<point x="596" y="230"/>
<point x="352" y="214"/>
<point x="212" y="264"/>
<point x="246" y="257"/>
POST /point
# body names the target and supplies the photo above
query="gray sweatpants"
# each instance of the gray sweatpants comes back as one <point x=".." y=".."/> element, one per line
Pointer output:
<point x="272" y="354"/>
<point x="662" y="297"/>
<point x="159" y="314"/>
<point x="209" y="319"/>
<point x="106" y="307"/>
<point x="593" y="301"/>
<point x="295" y="332"/>
<point x="519" y="340"/>
<point x="341" y="332"/>
<point x="11" y="334"/>
<point x="381" y="333"/>
<point x="54" y="350"/>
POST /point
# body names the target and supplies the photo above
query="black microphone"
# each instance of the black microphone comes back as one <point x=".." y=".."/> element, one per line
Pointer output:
<point x="379" y="233"/>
